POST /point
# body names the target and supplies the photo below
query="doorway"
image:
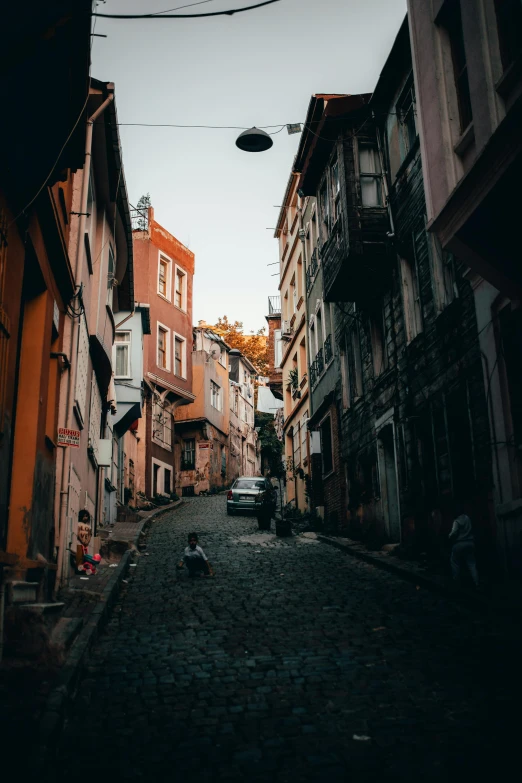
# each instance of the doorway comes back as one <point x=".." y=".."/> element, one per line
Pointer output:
<point x="388" y="482"/>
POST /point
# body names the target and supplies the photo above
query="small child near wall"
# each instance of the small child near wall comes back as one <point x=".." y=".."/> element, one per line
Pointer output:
<point x="195" y="559"/>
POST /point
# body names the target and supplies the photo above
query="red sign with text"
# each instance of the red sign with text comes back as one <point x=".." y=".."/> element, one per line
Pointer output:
<point x="68" y="437"/>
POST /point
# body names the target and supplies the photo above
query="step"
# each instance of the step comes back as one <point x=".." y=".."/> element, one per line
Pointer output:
<point x="42" y="608"/>
<point x="65" y="631"/>
<point x="22" y="592"/>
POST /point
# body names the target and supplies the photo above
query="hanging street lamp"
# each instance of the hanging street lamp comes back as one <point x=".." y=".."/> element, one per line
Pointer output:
<point x="254" y="140"/>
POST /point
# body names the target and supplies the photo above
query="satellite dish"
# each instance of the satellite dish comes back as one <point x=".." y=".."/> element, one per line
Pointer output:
<point x="214" y="351"/>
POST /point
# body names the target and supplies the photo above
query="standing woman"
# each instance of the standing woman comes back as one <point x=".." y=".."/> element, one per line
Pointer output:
<point x="463" y="549"/>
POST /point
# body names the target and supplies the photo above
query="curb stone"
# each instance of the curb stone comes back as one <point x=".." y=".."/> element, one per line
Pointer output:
<point x="153" y="514"/>
<point x="61" y="696"/>
<point x="476" y="600"/>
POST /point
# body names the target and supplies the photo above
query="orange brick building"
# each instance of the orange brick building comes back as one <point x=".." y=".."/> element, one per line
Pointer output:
<point x="49" y="61"/>
<point x="164" y="270"/>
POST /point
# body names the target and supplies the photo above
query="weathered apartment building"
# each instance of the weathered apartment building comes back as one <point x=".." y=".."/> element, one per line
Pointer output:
<point x="293" y="363"/>
<point x="37" y="272"/>
<point x="215" y="434"/>
<point x="244" y="452"/>
<point x="203" y="427"/>
<point x="66" y="276"/>
<point x="164" y="281"/>
<point x="401" y="409"/>
<point x="87" y="477"/>
<point x="467" y="62"/>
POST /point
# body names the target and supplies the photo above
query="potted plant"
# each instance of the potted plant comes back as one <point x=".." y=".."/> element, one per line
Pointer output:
<point x="293" y="378"/>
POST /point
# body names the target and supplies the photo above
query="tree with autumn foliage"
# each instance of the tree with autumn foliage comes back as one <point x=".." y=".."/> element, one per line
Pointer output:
<point x="254" y="345"/>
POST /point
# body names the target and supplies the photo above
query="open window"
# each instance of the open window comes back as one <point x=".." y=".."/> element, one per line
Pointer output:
<point x="370" y="175"/>
<point x="163" y="347"/>
<point x="180" y="293"/>
<point x="215" y="396"/>
<point x="188" y="454"/>
<point x="122" y="354"/>
<point x="180" y="356"/>
<point x="164" y="277"/>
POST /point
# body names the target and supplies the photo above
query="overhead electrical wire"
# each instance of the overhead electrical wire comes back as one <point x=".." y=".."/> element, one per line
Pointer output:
<point x="163" y="15"/>
<point x="179" y="7"/>
<point x="212" y="127"/>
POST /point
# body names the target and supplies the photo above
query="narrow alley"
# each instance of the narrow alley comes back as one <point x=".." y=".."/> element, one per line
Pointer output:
<point x="295" y="662"/>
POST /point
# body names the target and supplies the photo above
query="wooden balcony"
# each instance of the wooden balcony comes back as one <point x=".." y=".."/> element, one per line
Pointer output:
<point x="357" y="263"/>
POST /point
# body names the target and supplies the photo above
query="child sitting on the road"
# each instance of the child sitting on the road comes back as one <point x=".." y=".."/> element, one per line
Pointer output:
<point x="195" y="559"/>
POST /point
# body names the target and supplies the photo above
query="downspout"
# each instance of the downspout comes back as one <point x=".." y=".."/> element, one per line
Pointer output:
<point x="66" y="462"/>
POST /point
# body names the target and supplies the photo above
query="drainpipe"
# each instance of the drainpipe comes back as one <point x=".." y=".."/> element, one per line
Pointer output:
<point x="66" y="462"/>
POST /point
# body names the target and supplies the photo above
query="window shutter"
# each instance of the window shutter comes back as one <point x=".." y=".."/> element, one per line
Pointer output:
<point x="82" y="368"/>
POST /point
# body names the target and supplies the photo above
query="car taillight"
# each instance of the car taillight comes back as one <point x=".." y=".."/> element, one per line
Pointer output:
<point x="229" y="495"/>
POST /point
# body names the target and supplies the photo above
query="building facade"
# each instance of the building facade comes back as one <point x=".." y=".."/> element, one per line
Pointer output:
<point x="467" y="63"/>
<point x="408" y="399"/>
<point x="37" y="282"/>
<point x="328" y="476"/>
<point x="122" y="478"/>
<point x="294" y="370"/>
<point x="275" y="346"/>
<point x="164" y="280"/>
<point x="203" y="426"/>
<point x="100" y="242"/>
<point x="244" y="455"/>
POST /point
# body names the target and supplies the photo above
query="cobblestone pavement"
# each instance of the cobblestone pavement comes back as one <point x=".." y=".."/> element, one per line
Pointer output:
<point x="295" y="662"/>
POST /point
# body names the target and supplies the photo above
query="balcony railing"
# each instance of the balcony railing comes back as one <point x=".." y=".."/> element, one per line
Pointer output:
<point x="313" y="374"/>
<point x="319" y="362"/>
<point x="274" y="305"/>
<point x="328" y="353"/>
<point x="139" y="219"/>
<point x="318" y="365"/>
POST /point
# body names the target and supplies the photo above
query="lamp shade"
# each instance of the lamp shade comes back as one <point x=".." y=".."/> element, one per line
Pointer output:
<point x="254" y="140"/>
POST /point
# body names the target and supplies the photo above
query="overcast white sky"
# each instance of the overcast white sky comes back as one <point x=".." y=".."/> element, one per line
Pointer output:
<point x="257" y="68"/>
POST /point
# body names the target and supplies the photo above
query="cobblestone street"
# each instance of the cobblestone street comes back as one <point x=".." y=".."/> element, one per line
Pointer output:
<point x="295" y="662"/>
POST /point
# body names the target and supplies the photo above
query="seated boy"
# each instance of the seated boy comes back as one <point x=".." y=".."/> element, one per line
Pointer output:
<point x="195" y="559"/>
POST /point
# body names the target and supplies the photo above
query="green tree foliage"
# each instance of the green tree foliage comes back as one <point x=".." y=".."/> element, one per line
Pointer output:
<point x="143" y="204"/>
